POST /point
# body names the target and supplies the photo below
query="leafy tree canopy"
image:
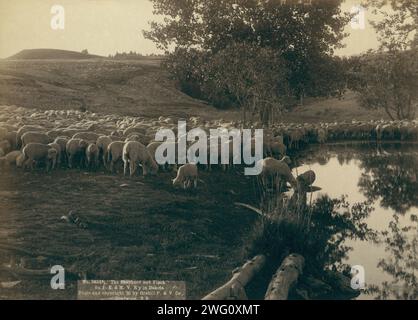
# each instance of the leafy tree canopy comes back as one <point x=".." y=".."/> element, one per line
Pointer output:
<point x="304" y="34"/>
<point x="397" y="30"/>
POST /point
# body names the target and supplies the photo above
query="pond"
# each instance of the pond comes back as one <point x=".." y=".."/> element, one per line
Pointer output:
<point x="385" y="176"/>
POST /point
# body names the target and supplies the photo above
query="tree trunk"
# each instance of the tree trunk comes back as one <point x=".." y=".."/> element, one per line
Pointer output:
<point x="234" y="288"/>
<point x="285" y="278"/>
<point x="389" y="114"/>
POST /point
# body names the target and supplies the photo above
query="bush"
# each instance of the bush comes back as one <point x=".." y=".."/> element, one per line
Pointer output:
<point x="322" y="244"/>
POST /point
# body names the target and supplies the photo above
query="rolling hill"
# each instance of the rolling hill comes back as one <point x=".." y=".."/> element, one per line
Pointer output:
<point x="51" y="54"/>
<point x="60" y="79"/>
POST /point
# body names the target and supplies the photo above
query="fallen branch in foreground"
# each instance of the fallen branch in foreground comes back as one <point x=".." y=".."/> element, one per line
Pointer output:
<point x="285" y="278"/>
<point x="234" y="289"/>
<point x="256" y="210"/>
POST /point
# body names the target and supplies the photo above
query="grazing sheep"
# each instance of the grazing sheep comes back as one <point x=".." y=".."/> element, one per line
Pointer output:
<point x="19" y="160"/>
<point x="379" y="131"/>
<point x="76" y="150"/>
<point x="57" y="147"/>
<point x="322" y="135"/>
<point x="144" y="139"/>
<point x="87" y="136"/>
<point x="3" y="132"/>
<point x="134" y="130"/>
<point x="5" y="146"/>
<point x="68" y="132"/>
<point x="22" y="130"/>
<point x="276" y="170"/>
<point x="11" y="137"/>
<point x="295" y="138"/>
<point x="10" y="158"/>
<point x="133" y="137"/>
<point x="35" y="137"/>
<point x="114" y="154"/>
<point x="92" y="156"/>
<point x="135" y="153"/>
<point x="385" y="131"/>
<point x="55" y="133"/>
<point x="38" y="153"/>
<point x="62" y="142"/>
<point x="152" y="148"/>
<point x="277" y="147"/>
<point x="103" y="143"/>
<point x="116" y="135"/>
<point x="305" y="180"/>
<point x="8" y="126"/>
<point x="187" y="175"/>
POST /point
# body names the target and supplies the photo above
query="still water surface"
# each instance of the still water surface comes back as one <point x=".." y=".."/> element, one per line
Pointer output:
<point x="386" y="176"/>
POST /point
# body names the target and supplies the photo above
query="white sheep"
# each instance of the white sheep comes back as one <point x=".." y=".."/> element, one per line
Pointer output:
<point x="277" y="170"/>
<point x="5" y="146"/>
<point x="186" y="175"/>
<point x="11" y="158"/>
<point x="92" y="156"/>
<point x="135" y="153"/>
<point x="102" y="143"/>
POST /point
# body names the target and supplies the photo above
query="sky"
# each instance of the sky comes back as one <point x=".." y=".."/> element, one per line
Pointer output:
<point x="107" y="26"/>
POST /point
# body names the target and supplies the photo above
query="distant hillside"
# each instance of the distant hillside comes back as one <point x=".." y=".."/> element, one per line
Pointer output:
<point x="51" y="54"/>
<point x="135" y="88"/>
<point x="103" y="85"/>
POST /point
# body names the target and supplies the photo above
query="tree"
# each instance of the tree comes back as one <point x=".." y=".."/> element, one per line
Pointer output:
<point x="252" y="76"/>
<point x="300" y="33"/>
<point x="85" y="51"/>
<point x="387" y="78"/>
<point x="398" y="28"/>
<point x="389" y="81"/>
<point x="186" y="66"/>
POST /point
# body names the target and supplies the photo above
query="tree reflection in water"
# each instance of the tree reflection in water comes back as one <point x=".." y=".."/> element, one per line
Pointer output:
<point x="388" y="180"/>
<point x="402" y="244"/>
<point x="392" y="178"/>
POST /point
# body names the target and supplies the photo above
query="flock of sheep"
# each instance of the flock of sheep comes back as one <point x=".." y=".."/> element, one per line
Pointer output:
<point x="89" y="140"/>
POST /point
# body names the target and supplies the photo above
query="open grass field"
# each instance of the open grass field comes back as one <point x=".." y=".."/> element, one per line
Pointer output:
<point x="137" y="228"/>
<point x="134" y="88"/>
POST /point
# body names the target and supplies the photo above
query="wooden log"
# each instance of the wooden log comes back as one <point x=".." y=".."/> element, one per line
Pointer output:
<point x="234" y="289"/>
<point x="285" y="278"/>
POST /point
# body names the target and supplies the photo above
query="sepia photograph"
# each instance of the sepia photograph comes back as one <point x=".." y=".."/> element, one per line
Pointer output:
<point x="208" y="150"/>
